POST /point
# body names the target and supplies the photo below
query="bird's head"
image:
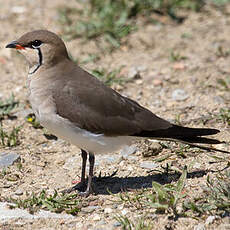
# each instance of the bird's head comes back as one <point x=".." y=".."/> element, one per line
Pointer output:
<point x="40" y="47"/>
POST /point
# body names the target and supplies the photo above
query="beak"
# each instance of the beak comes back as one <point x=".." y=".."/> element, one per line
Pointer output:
<point x="15" y="45"/>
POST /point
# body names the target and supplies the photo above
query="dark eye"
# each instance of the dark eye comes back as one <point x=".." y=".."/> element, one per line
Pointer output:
<point x="36" y="44"/>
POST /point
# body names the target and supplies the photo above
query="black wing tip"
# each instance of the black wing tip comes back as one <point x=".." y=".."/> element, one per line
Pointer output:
<point x="196" y="131"/>
<point x="214" y="131"/>
<point x="178" y="132"/>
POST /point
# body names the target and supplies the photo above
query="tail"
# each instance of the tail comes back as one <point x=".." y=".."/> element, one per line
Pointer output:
<point x="186" y="135"/>
<point x="180" y="133"/>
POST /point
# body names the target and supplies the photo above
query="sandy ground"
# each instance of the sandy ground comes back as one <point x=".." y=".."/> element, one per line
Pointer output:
<point x="51" y="164"/>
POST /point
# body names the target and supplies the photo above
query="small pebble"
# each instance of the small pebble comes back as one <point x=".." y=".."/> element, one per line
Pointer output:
<point x="148" y="165"/>
<point x="197" y="165"/>
<point x="117" y="224"/>
<point x="7" y="185"/>
<point x="157" y="82"/>
<point x="101" y="222"/>
<point x="89" y="209"/>
<point x="153" y="149"/>
<point x="108" y="210"/>
<point x="108" y="159"/>
<point x="210" y="220"/>
<point x="218" y="99"/>
<point x="18" y="89"/>
<point x="18" y="192"/>
<point x="179" y="95"/>
<point x="96" y="217"/>
<point x="133" y="73"/>
<point x="124" y="212"/>
<point x="132" y="158"/>
<point x="178" y="66"/>
<point x="18" y="9"/>
<point x="128" y="150"/>
<point x="200" y="226"/>
<point x="139" y="81"/>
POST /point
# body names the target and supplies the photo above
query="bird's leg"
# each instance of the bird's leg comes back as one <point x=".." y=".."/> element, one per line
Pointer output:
<point x="82" y="185"/>
<point x="91" y="167"/>
<point x="83" y="166"/>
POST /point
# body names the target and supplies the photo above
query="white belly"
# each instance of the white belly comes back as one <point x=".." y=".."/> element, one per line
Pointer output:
<point x="95" y="143"/>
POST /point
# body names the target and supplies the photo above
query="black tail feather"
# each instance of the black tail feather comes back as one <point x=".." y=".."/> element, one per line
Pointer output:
<point x="190" y="136"/>
<point x="201" y="140"/>
<point x="178" y="132"/>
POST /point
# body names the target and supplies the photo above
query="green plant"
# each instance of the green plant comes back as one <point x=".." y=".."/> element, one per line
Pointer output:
<point x="220" y="2"/>
<point x="7" y="106"/>
<point x="221" y="52"/>
<point x="114" y="20"/>
<point x="100" y="18"/>
<point x="224" y="115"/>
<point x="166" y="197"/>
<point x="162" y="198"/>
<point x="127" y="224"/>
<point x="175" y="56"/>
<point x="3" y="172"/>
<point x="224" y="83"/>
<point x="55" y="202"/>
<point x="91" y="58"/>
<point x="215" y="198"/>
<point x="9" y="139"/>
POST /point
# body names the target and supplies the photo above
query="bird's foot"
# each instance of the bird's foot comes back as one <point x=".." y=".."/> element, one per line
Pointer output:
<point x="86" y="193"/>
<point x="80" y="187"/>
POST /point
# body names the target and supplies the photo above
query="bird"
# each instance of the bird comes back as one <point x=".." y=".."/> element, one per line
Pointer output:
<point x="77" y="107"/>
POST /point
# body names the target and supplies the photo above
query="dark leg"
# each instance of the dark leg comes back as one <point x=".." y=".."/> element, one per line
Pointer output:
<point x="82" y="185"/>
<point x="91" y="167"/>
<point x="84" y="159"/>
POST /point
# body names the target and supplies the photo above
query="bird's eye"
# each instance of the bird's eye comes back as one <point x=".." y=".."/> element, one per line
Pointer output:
<point x="36" y="44"/>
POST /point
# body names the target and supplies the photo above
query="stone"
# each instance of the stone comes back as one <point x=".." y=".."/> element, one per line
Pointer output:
<point x="89" y="209"/>
<point x="7" y="185"/>
<point x="18" y="9"/>
<point x="139" y="81"/>
<point x="133" y="73"/>
<point x="6" y="214"/>
<point x="210" y="220"/>
<point x="7" y="159"/>
<point x="108" y="210"/>
<point x="96" y="217"/>
<point x="132" y="158"/>
<point x="128" y="150"/>
<point x="157" y="82"/>
<point x="200" y="226"/>
<point x="179" y="95"/>
<point x="148" y="165"/>
<point x="18" y="192"/>
<point x="153" y="149"/>
<point x="124" y="212"/>
<point x="108" y="159"/>
<point x="117" y="224"/>
<point x="197" y="165"/>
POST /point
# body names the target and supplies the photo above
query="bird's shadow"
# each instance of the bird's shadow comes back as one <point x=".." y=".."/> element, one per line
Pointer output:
<point x="108" y="185"/>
